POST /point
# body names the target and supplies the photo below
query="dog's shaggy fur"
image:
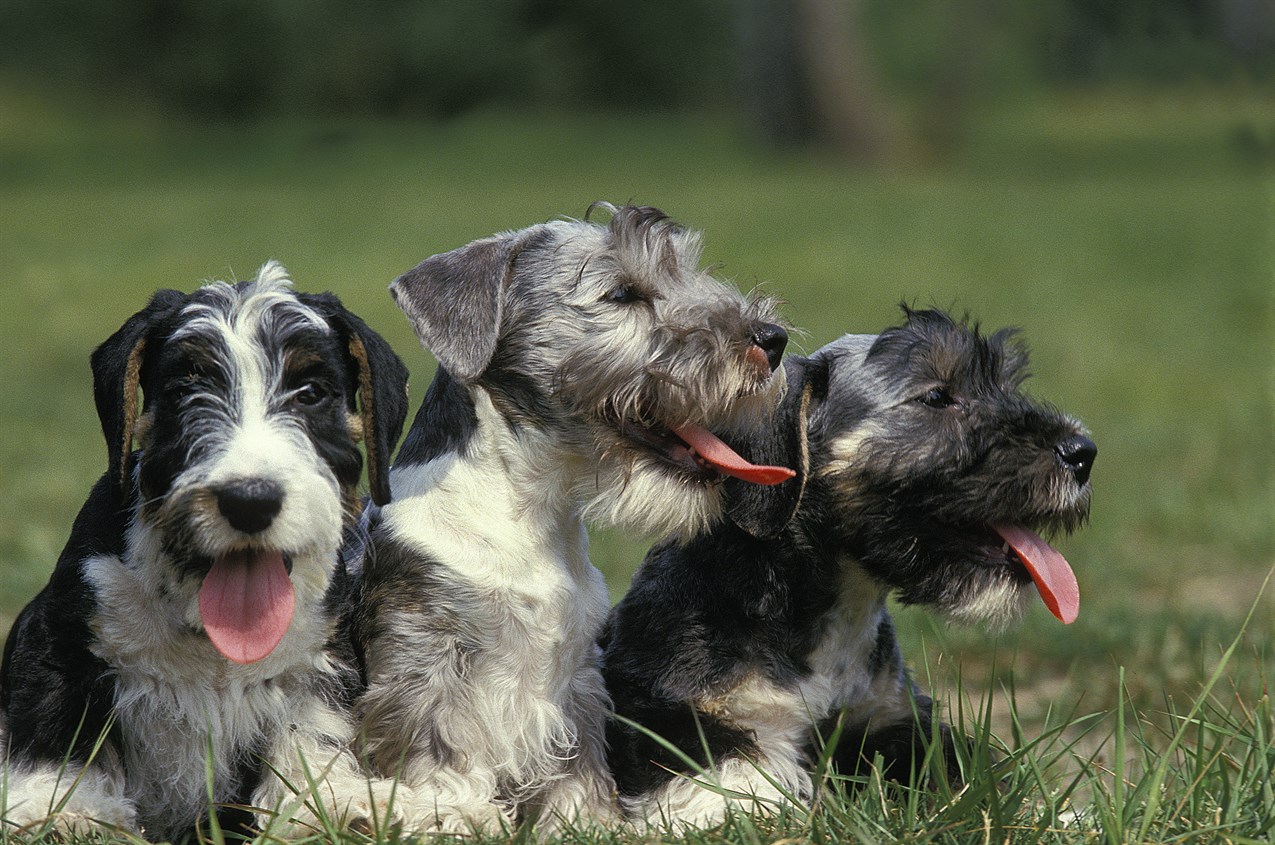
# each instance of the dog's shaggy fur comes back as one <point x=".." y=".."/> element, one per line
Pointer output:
<point x="255" y="400"/>
<point x="753" y="637"/>
<point x="569" y="352"/>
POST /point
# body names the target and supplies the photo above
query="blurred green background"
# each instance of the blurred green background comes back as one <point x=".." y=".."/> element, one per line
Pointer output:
<point x="1098" y="173"/>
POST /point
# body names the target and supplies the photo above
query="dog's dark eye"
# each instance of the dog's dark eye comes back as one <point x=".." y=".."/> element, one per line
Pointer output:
<point x="310" y="394"/>
<point x="937" y="397"/>
<point x="189" y="383"/>
<point x="625" y="294"/>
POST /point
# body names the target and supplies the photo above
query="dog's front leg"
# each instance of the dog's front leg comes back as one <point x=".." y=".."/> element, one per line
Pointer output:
<point x="586" y="795"/>
<point x="455" y="802"/>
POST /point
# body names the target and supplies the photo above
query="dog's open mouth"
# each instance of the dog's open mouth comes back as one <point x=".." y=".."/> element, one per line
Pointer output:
<point x="695" y="449"/>
<point x="1048" y="569"/>
<point x="246" y="603"/>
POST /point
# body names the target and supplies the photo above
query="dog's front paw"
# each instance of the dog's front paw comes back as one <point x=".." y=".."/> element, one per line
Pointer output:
<point x="72" y="826"/>
<point x="427" y="816"/>
<point x="40" y="803"/>
<point x="379" y="811"/>
<point x="577" y="804"/>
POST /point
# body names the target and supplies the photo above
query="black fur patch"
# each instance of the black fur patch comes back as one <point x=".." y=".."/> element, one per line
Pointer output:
<point x="444" y="423"/>
<point x="55" y="694"/>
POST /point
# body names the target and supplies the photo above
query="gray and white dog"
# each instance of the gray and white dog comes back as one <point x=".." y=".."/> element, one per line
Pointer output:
<point x="192" y="643"/>
<point x="923" y="470"/>
<point x="582" y="367"/>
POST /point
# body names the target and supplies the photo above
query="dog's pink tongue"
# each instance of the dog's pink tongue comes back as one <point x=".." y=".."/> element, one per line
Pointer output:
<point x="246" y="603"/>
<point x="1054" y="579"/>
<point x="726" y="460"/>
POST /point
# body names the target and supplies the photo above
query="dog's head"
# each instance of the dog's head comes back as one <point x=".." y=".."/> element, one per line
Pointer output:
<point x="939" y="470"/>
<point x="929" y="465"/>
<point x="614" y="340"/>
<point x="254" y="401"/>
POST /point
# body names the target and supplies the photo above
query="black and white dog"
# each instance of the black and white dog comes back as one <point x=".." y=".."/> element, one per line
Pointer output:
<point x="582" y="367"/>
<point x="190" y="643"/>
<point x="924" y="471"/>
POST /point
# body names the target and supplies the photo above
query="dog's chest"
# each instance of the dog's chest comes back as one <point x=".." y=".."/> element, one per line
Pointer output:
<point x="183" y="712"/>
<point x="841" y="666"/>
<point x="175" y="736"/>
<point x="841" y="674"/>
<point x="531" y="603"/>
<point x="527" y="579"/>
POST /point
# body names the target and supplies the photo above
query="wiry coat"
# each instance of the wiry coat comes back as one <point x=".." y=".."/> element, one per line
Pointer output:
<point x="567" y="351"/>
<point x="758" y="636"/>
<point x="247" y="387"/>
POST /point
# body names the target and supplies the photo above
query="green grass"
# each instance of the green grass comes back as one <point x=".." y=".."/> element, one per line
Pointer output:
<point x="1130" y="235"/>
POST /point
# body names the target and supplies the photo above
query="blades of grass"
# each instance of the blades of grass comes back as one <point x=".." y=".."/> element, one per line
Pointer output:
<point x="682" y="756"/>
<point x="330" y="827"/>
<point x="98" y="743"/>
<point x="276" y="816"/>
<point x="823" y="763"/>
<point x="1118" y="807"/>
<point x="1161" y="770"/>
<point x="4" y="795"/>
<point x="215" y="834"/>
<point x="384" y="829"/>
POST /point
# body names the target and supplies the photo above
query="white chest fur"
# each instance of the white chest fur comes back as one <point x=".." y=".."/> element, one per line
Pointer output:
<point x="183" y="712"/>
<point x="507" y="535"/>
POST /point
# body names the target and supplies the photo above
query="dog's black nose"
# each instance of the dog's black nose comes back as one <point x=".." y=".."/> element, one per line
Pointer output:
<point x="250" y="505"/>
<point x="772" y="339"/>
<point x="1077" y="454"/>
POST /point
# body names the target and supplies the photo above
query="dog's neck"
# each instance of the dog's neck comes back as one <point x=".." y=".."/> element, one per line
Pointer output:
<point x="467" y="476"/>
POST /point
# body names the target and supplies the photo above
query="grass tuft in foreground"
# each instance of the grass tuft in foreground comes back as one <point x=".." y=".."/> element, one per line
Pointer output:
<point x="1200" y="773"/>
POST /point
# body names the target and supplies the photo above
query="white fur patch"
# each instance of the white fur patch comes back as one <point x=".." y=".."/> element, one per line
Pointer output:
<point x="528" y="717"/>
<point x="71" y="800"/>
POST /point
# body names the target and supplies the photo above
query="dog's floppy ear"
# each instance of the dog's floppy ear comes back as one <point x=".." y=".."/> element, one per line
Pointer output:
<point x="781" y="441"/>
<point x="455" y="301"/>
<point x="117" y="370"/>
<point x="382" y="388"/>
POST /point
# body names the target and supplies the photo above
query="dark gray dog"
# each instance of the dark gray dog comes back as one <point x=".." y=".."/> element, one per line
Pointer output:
<point x="924" y="470"/>
<point x="582" y="368"/>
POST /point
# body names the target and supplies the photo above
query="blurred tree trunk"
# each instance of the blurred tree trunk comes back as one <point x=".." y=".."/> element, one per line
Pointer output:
<point x="1248" y="26"/>
<point x="944" y="119"/>
<point x="772" y="88"/>
<point x="808" y="76"/>
<point x="843" y="88"/>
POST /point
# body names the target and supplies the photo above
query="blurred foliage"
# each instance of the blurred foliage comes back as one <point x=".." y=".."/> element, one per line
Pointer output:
<point x="238" y="57"/>
<point x="438" y="58"/>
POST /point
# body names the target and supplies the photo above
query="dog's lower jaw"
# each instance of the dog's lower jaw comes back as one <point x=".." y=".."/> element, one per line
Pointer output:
<point x="996" y="606"/>
<point x="644" y="493"/>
